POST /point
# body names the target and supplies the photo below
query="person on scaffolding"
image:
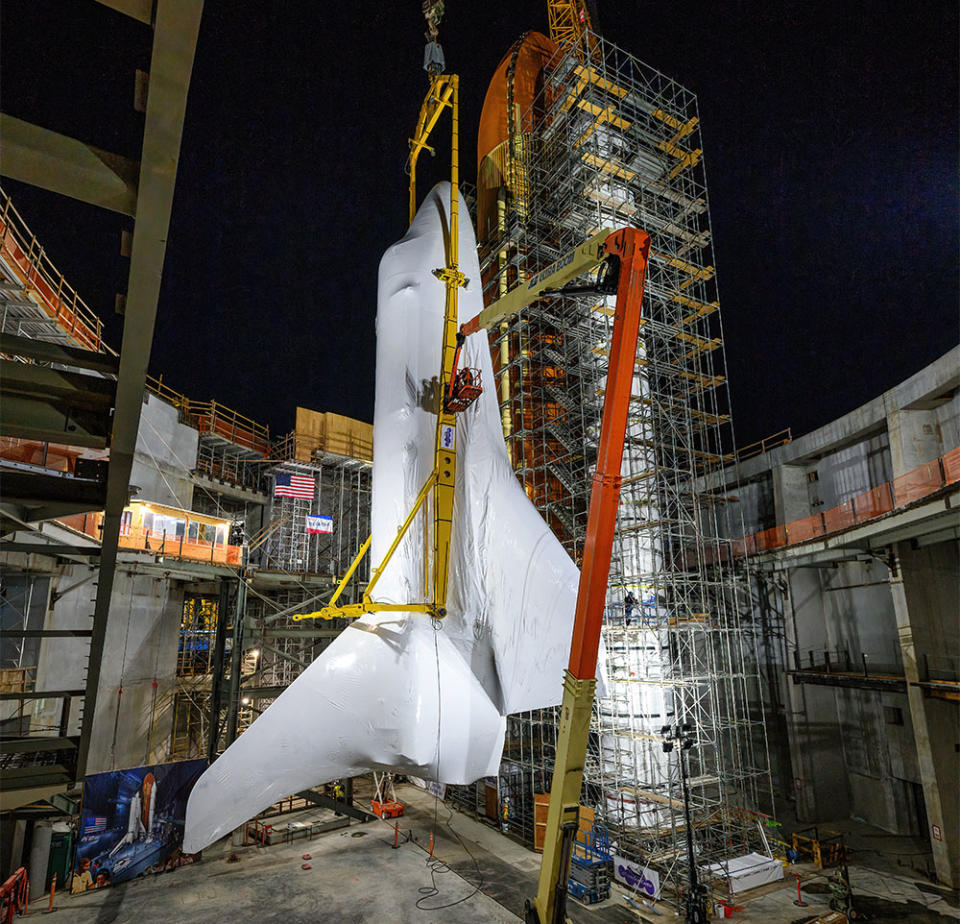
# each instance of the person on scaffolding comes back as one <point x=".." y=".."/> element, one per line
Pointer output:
<point x="629" y="603"/>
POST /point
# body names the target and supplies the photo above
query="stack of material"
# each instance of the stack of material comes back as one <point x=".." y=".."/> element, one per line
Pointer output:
<point x="748" y="872"/>
<point x="328" y="432"/>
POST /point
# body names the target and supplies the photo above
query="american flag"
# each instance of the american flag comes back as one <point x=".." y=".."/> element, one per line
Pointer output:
<point x="95" y="825"/>
<point x="293" y="486"/>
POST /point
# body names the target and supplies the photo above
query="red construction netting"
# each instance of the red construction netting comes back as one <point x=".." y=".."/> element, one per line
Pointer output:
<point x="840" y="517"/>
<point x="771" y="538"/>
<point x="951" y="466"/>
<point x="873" y="503"/>
<point x="918" y="483"/>
<point x="924" y="480"/>
<point x="804" y="529"/>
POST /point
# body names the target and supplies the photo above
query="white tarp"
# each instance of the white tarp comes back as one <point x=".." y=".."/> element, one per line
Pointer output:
<point x="393" y="691"/>
<point x="748" y="871"/>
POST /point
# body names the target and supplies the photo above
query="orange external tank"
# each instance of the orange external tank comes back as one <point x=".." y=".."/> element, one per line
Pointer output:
<point x="505" y="125"/>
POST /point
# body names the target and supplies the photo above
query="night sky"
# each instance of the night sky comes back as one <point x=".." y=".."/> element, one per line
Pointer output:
<point x="830" y="143"/>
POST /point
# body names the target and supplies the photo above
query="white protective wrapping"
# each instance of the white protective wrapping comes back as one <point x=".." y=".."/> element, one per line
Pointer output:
<point x="393" y="691"/>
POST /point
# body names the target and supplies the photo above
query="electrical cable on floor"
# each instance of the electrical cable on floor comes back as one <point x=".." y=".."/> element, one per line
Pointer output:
<point x="439" y="867"/>
<point x="436" y="866"/>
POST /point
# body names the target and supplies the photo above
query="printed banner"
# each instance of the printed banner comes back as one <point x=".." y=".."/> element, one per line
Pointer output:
<point x="131" y="823"/>
<point x="319" y="524"/>
<point x="637" y="877"/>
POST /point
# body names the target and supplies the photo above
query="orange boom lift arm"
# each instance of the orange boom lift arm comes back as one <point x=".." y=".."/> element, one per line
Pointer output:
<point x="623" y="256"/>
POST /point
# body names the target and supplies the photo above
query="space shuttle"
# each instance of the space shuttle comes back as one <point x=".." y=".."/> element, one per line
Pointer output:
<point x="396" y="690"/>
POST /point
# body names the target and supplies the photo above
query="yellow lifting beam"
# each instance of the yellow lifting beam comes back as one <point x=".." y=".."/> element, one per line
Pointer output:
<point x="442" y="93"/>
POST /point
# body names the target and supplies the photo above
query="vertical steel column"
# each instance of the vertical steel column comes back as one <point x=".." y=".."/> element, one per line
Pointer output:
<point x="236" y="658"/>
<point x="176" y="26"/>
<point x="216" y="687"/>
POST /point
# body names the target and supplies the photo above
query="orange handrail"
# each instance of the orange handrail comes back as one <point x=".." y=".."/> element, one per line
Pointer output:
<point x="885" y="498"/>
<point x="57" y="298"/>
<point x="780" y="438"/>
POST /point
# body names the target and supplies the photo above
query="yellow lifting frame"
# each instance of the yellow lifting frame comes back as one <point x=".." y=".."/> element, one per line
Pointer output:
<point x="443" y="92"/>
<point x="332" y="611"/>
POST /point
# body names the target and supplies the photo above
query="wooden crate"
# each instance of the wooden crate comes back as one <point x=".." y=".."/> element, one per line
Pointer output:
<point x="541" y="804"/>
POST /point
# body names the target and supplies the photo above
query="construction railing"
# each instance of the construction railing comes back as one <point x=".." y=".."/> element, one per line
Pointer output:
<point x="40" y="278"/>
<point x="903" y="491"/>
<point x="217" y="419"/>
<point x="781" y="438"/>
<point x="302" y="447"/>
<point x="210" y="417"/>
<point x="159" y="543"/>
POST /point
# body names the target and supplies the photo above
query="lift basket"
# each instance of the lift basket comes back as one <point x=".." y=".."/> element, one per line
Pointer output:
<point x="466" y="389"/>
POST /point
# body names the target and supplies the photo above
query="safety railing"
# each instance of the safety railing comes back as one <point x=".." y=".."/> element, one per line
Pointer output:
<point x="903" y="491"/>
<point x="211" y="417"/>
<point x="214" y="418"/>
<point x="159" y="544"/>
<point x="781" y="438"/>
<point x="302" y="447"/>
<point x="58" y="299"/>
<point x="844" y="662"/>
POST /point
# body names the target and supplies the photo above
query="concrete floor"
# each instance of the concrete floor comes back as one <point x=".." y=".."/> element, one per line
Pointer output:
<point x="357" y="876"/>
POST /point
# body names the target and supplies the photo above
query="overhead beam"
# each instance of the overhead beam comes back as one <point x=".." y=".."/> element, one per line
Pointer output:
<point x="64" y="165"/>
<point x="37" y="489"/>
<point x="11" y="799"/>
<point x="176" y="27"/>
<point x="45" y="633"/>
<point x="53" y="551"/>
<point x="47" y="351"/>
<point x="36" y="745"/>
<point x="40" y="694"/>
<point x="135" y="9"/>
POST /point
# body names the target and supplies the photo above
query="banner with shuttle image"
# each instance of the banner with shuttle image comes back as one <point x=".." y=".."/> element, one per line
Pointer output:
<point x="131" y="823"/>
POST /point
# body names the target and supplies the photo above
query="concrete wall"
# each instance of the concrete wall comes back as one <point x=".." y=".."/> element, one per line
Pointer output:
<point x="932" y="590"/>
<point x="134" y="716"/>
<point x="849" y="472"/>
<point x="948" y="421"/>
<point x="853" y="750"/>
<point x="165" y="456"/>
<point x="866" y="753"/>
<point x="138" y="677"/>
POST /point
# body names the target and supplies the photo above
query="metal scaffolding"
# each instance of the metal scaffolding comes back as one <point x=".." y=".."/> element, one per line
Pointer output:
<point x="342" y="500"/>
<point x="615" y="143"/>
<point x="342" y="495"/>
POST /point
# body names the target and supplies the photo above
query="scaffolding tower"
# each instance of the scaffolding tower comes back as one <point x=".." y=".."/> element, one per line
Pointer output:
<point x="616" y="143"/>
<point x="314" y="560"/>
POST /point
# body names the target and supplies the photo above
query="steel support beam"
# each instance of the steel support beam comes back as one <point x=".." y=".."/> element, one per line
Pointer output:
<point x="45" y="633"/>
<point x="176" y="27"/>
<point x="54" y="405"/>
<point x="40" y="694"/>
<point x="51" y="550"/>
<point x="49" y="352"/>
<point x="236" y="661"/>
<point x="216" y="686"/>
<point x="48" y="160"/>
<point x="343" y="808"/>
<point x="135" y="9"/>
<point x="930" y="772"/>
